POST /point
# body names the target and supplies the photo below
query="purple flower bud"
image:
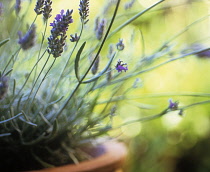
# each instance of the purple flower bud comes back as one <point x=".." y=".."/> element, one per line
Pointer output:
<point x="121" y="66"/>
<point x="120" y="45"/>
<point x="39" y="7"/>
<point x="204" y="54"/>
<point x="17" y="6"/>
<point x="111" y="51"/>
<point x="129" y="4"/>
<point x="28" y="40"/>
<point x="74" y="38"/>
<point x="173" y="105"/>
<point x="109" y="75"/>
<point x="99" y="28"/>
<point x="95" y="67"/>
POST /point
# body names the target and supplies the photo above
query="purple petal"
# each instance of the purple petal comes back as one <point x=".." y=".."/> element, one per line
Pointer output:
<point x="58" y="17"/>
<point x="62" y="12"/>
<point x="120" y="68"/>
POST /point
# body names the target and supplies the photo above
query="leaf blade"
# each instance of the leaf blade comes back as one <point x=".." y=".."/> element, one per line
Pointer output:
<point x="4" y="42"/>
<point x="76" y="65"/>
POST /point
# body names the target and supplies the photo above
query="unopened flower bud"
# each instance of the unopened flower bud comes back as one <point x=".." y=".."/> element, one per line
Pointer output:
<point x="173" y="105"/>
<point x="109" y="75"/>
<point x="121" y="66"/>
<point x="120" y="45"/>
<point x="74" y="38"/>
<point x="99" y="28"/>
<point x="94" y="69"/>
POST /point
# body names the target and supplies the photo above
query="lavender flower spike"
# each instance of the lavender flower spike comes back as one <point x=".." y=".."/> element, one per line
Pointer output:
<point x="28" y="40"/>
<point x="47" y="9"/>
<point x="60" y="25"/>
<point x="84" y="10"/>
<point x="121" y="66"/>
<point x="100" y="27"/>
<point x="39" y="7"/>
<point x="17" y="6"/>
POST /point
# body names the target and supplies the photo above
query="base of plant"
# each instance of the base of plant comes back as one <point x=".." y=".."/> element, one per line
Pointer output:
<point x="111" y="159"/>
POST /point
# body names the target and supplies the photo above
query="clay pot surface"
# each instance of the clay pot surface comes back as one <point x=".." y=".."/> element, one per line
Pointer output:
<point x="112" y="159"/>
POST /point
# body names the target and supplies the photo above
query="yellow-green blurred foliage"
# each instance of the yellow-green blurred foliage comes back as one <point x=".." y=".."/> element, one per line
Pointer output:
<point x="159" y="145"/>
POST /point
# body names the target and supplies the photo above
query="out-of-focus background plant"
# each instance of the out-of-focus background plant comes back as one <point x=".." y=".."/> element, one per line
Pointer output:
<point x="163" y="50"/>
<point x="172" y="143"/>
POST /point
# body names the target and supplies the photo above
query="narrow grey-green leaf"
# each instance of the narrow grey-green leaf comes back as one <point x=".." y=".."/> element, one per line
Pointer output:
<point x="8" y="72"/>
<point x="5" y="134"/>
<point x="100" y="73"/>
<point x="6" y="120"/>
<point x="27" y="122"/>
<point x="54" y="102"/>
<point x="76" y="67"/>
<point x="4" y="42"/>
<point x="54" y="131"/>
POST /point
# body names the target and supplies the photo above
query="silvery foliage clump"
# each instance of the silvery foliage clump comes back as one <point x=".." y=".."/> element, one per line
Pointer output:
<point x="52" y="83"/>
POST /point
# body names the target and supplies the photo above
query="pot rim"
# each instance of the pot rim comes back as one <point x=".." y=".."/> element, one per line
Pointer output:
<point x="114" y="156"/>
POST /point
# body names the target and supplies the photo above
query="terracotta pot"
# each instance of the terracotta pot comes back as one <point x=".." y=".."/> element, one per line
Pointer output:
<point x="111" y="160"/>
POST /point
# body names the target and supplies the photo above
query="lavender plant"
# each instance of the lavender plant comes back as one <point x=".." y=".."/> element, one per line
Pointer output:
<point x="50" y="102"/>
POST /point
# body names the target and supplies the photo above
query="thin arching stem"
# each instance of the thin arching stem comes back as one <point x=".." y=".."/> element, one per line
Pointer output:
<point x="37" y="78"/>
<point x="100" y="48"/>
<point x="67" y="62"/>
<point x="42" y="80"/>
<point x="43" y="37"/>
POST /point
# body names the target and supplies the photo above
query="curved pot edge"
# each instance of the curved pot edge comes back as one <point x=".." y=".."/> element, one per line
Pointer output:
<point x="111" y="160"/>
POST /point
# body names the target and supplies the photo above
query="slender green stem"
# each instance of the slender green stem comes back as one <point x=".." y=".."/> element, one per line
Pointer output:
<point x="10" y="60"/>
<point x="42" y="80"/>
<point x="33" y="21"/>
<point x="182" y="31"/>
<point x="145" y="96"/>
<point x="67" y="62"/>
<point x="37" y="78"/>
<point x="103" y="41"/>
<point x="152" y="117"/>
<point x="154" y="67"/>
<point x="43" y="37"/>
<point x="134" y="18"/>
<point x="6" y="120"/>
<point x="28" y="76"/>
<point x="100" y="48"/>
<point x="144" y="119"/>
<point x="184" y="94"/>
<point x="143" y="43"/>
<point x="195" y="104"/>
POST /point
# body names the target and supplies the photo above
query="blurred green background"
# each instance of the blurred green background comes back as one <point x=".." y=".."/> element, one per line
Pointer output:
<point x="172" y="143"/>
